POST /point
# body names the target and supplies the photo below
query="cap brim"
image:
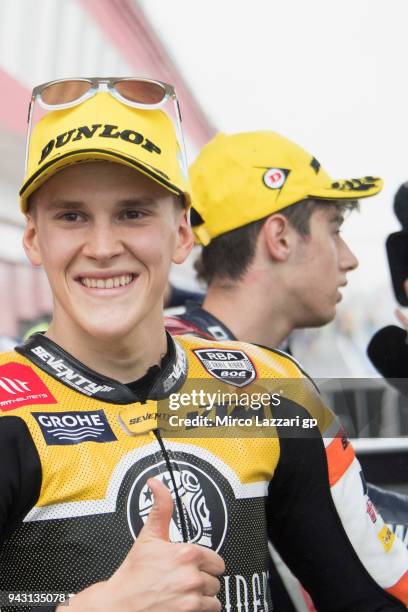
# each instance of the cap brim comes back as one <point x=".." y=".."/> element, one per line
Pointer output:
<point x="91" y="155"/>
<point x="352" y="189"/>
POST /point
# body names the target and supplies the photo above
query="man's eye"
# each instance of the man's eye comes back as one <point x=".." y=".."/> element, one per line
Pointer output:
<point x="71" y="216"/>
<point x="132" y="214"/>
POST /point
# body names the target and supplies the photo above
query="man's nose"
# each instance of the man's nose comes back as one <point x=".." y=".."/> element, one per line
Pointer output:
<point x="348" y="261"/>
<point x="103" y="242"/>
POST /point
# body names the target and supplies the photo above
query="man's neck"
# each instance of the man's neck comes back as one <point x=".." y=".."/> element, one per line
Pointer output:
<point x="125" y="359"/>
<point x="250" y="314"/>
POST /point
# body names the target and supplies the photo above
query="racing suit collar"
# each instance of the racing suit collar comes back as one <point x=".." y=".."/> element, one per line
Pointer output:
<point x="206" y="321"/>
<point x="65" y="368"/>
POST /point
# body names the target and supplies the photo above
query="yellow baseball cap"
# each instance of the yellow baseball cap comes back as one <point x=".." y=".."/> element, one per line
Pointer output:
<point x="103" y="128"/>
<point x="240" y="178"/>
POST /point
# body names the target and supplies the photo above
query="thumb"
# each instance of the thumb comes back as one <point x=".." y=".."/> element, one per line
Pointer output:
<point x="158" y="521"/>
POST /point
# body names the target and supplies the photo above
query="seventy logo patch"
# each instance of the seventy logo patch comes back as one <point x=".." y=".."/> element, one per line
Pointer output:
<point x="63" y="428"/>
<point x="231" y="366"/>
<point x="20" y="385"/>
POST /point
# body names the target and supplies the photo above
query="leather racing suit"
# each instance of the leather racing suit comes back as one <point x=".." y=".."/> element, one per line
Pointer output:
<point x="77" y="449"/>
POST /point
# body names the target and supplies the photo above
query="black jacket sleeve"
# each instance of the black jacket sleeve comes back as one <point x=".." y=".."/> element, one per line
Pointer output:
<point x="20" y="473"/>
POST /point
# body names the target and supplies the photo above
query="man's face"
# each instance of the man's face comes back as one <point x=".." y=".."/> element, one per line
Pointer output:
<point x="319" y="268"/>
<point x="106" y="236"/>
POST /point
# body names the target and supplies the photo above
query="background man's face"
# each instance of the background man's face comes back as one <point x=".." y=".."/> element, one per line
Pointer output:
<point x="106" y="236"/>
<point x="320" y="264"/>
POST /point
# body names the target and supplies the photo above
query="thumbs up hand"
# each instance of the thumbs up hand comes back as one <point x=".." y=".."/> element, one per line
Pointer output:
<point x="158" y="521"/>
<point x="157" y="575"/>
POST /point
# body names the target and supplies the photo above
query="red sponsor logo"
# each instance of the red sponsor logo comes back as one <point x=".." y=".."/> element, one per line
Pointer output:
<point x="371" y="511"/>
<point x="20" y="385"/>
<point x="274" y="178"/>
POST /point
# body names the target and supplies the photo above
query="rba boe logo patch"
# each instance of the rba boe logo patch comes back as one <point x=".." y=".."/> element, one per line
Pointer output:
<point x="203" y="506"/>
<point x="229" y="365"/>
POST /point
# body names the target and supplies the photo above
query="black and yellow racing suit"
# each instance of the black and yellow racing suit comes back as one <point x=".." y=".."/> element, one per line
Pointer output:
<point x="77" y="449"/>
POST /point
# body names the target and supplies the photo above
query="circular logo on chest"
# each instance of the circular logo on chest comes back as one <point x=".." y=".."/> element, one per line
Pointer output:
<point x="200" y="511"/>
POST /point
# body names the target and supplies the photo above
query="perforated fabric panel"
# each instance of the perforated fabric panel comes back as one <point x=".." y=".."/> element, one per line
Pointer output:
<point x="94" y="499"/>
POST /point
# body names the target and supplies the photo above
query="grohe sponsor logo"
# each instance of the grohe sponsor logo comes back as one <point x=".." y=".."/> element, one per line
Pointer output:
<point x="63" y="428"/>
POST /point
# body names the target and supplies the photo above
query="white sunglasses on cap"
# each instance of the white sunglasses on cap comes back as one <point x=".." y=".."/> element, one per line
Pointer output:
<point x="137" y="92"/>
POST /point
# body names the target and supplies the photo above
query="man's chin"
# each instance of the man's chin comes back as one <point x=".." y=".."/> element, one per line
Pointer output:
<point x="108" y="330"/>
<point x="321" y="319"/>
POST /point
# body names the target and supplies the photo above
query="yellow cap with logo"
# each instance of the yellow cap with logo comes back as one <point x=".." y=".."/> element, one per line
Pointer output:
<point x="240" y="178"/>
<point x="103" y="128"/>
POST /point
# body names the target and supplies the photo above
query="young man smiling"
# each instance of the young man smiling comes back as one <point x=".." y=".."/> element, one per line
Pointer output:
<point x="84" y="433"/>
<point x="106" y="219"/>
<point x="107" y="256"/>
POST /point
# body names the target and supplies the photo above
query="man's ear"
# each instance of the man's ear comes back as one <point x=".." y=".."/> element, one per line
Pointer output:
<point x="185" y="238"/>
<point x="30" y="242"/>
<point x="279" y="237"/>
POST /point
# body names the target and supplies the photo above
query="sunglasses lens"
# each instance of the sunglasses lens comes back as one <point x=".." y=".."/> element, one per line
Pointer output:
<point x="142" y="92"/>
<point x="64" y="92"/>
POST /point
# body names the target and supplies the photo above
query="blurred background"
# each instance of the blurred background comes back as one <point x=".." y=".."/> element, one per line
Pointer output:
<point x="329" y="75"/>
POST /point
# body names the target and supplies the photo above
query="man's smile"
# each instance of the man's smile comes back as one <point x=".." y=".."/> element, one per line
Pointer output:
<point x="107" y="280"/>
